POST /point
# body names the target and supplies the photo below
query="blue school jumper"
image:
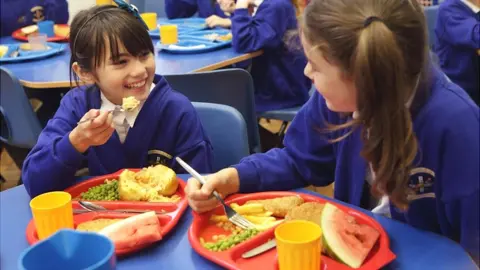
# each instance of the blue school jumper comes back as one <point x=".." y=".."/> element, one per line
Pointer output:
<point x="16" y="14"/>
<point x="167" y="126"/>
<point x="457" y="41"/>
<point x="187" y="8"/>
<point x="444" y="181"/>
<point x="278" y="73"/>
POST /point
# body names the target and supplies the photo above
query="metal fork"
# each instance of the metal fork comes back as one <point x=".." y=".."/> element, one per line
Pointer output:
<point x="233" y="216"/>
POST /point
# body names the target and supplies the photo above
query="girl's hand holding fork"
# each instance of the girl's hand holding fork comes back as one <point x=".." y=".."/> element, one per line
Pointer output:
<point x="93" y="132"/>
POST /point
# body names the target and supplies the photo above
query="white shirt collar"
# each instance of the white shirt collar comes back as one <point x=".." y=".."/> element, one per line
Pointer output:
<point x="130" y="116"/>
<point x="257" y="3"/>
<point x="471" y="6"/>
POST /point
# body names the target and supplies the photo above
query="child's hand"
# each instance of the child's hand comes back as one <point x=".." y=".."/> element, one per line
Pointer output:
<point x="214" y="21"/>
<point x="97" y="131"/>
<point x="225" y="182"/>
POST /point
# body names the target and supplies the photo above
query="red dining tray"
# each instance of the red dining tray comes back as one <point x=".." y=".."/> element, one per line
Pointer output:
<point x="168" y="220"/>
<point x="379" y="256"/>
<point x="20" y="36"/>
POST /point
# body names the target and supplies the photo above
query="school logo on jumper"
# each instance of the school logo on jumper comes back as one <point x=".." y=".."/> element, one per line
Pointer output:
<point x="37" y="13"/>
<point x="421" y="184"/>
<point x="155" y="157"/>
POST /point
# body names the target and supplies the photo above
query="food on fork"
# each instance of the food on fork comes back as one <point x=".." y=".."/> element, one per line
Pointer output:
<point x="150" y="184"/>
<point x="133" y="231"/>
<point x="130" y="103"/>
<point x="280" y="206"/>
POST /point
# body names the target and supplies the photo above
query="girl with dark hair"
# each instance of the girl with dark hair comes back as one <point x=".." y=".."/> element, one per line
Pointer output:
<point x="392" y="132"/>
<point x="113" y="53"/>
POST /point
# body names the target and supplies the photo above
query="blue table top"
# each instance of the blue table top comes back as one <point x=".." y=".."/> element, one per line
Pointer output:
<point x="54" y="71"/>
<point x="415" y="249"/>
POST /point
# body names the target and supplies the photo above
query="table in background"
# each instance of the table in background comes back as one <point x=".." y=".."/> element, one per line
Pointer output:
<point x="415" y="249"/>
<point x="53" y="72"/>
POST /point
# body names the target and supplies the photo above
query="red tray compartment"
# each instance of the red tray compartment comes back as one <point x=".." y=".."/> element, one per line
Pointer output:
<point x="172" y="211"/>
<point x="17" y="34"/>
<point x="379" y="256"/>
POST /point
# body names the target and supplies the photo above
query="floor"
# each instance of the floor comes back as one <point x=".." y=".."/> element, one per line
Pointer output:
<point x="11" y="173"/>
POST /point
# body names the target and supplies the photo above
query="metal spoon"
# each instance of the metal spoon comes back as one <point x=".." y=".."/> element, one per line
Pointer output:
<point x="93" y="207"/>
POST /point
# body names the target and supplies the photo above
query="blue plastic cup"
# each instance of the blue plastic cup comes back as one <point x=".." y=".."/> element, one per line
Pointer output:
<point x="46" y="27"/>
<point x="72" y="250"/>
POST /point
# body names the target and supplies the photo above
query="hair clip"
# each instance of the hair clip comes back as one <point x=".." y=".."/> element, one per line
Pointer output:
<point x="367" y="21"/>
<point x="131" y="9"/>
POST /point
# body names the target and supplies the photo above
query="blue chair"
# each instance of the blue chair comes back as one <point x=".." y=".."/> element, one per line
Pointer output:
<point x="227" y="131"/>
<point x="232" y="87"/>
<point x="284" y="115"/>
<point x="431" y="14"/>
<point x="157" y="6"/>
<point x="20" y="127"/>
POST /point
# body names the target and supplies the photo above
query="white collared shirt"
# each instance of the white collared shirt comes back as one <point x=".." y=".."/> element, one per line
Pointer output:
<point x="123" y="120"/>
<point x="471" y="6"/>
<point x="257" y="3"/>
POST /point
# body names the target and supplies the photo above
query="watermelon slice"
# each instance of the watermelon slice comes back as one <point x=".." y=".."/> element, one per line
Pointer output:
<point x="346" y="240"/>
<point x="133" y="231"/>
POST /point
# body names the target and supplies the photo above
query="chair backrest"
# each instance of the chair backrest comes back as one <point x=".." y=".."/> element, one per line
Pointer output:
<point x="21" y="127"/>
<point x="431" y="14"/>
<point x="227" y="131"/>
<point x="232" y="87"/>
<point x="157" y="6"/>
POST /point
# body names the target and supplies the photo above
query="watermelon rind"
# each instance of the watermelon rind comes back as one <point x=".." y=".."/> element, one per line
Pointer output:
<point x="334" y="244"/>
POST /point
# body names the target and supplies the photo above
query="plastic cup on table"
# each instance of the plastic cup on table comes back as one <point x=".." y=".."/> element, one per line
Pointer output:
<point x="168" y="34"/>
<point x="150" y="19"/>
<point x="299" y="245"/>
<point x="37" y="42"/>
<point x="47" y="28"/>
<point x="51" y="212"/>
<point x="104" y="2"/>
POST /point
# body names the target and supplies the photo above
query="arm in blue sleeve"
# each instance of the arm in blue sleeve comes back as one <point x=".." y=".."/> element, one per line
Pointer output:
<point x="180" y="8"/>
<point x="459" y="176"/>
<point x="193" y="145"/>
<point x="266" y="29"/>
<point x="459" y="30"/>
<point x="307" y="158"/>
<point x="57" y="11"/>
<point x="52" y="163"/>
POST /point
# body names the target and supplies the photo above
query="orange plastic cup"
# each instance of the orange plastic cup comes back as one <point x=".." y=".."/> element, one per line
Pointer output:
<point x="51" y="212"/>
<point x="104" y="2"/>
<point x="150" y="20"/>
<point x="299" y="245"/>
<point x="168" y="34"/>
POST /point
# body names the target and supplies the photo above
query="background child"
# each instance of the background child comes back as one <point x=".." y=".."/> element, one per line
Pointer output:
<point x="16" y="14"/>
<point x="383" y="120"/>
<point x="277" y="74"/>
<point x="188" y="8"/>
<point x="111" y="49"/>
<point x="458" y="43"/>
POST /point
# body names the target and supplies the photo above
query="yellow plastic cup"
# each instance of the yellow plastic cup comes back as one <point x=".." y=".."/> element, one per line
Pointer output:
<point x="168" y="34"/>
<point x="150" y="20"/>
<point x="104" y="2"/>
<point x="299" y="245"/>
<point x="51" y="212"/>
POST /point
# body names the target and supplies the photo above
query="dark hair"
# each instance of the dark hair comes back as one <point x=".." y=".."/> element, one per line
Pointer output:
<point x="95" y="28"/>
<point x="385" y="59"/>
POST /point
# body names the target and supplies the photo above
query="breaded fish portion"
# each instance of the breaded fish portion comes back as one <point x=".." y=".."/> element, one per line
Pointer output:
<point x="280" y="206"/>
<point x="311" y="211"/>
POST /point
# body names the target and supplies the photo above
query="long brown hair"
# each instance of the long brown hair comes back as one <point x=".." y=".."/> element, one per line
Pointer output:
<point x="386" y="58"/>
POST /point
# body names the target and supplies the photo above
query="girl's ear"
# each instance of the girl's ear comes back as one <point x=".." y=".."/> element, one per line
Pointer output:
<point x="84" y="75"/>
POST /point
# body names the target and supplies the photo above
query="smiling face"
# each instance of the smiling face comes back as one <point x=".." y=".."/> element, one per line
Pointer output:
<point x="339" y="92"/>
<point x="126" y="75"/>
